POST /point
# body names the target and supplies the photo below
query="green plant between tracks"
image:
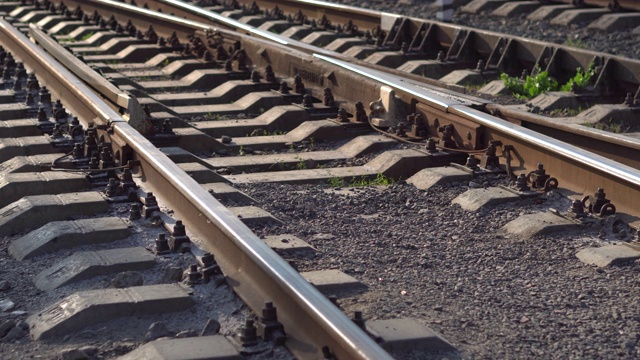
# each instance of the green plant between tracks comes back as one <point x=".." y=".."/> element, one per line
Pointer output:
<point x="379" y="180"/>
<point x="534" y="85"/>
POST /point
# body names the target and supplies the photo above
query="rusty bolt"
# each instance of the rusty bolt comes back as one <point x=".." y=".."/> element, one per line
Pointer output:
<point x="17" y="86"/>
<point x="472" y="162"/>
<point x="179" y="241"/>
<point x="194" y="276"/>
<point x="343" y="116"/>
<point x="358" y="319"/>
<point x="78" y="151"/>
<point x="268" y="74"/>
<point x="126" y="180"/>
<point x="150" y="205"/>
<point x="162" y="245"/>
<point x="228" y="65"/>
<point x="269" y="312"/>
<point x="112" y="187"/>
<point x="44" y="95"/>
<point x="255" y="76"/>
<point x="599" y="204"/>
<point x="42" y="114"/>
<point x="166" y="127"/>
<point x="57" y="131"/>
<point x="248" y="333"/>
<point x="134" y="213"/>
<point x="32" y="82"/>
<point x="284" y="88"/>
<point x="94" y="163"/>
<point x="577" y="208"/>
<point x="269" y="327"/>
<point x="431" y="145"/>
<point x="209" y="266"/>
<point x="106" y="160"/>
<point x="307" y="101"/>
<point x="361" y="113"/>
<point x="298" y="85"/>
<point x="179" y="229"/>
<point x="521" y="183"/>
<point x="6" y="75"/>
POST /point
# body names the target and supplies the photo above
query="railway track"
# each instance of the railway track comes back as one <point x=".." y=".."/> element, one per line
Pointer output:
<point x="226" y="108"/>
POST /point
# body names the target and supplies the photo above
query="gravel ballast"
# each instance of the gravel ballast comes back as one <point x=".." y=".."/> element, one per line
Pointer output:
<point x="491" y="295"/>
<point x="620" y="43"/>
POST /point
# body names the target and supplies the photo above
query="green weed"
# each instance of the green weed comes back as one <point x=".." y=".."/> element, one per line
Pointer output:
<point x="86" y="36"/>
<point x="577" y="43"/>
<point x="541" y="82"/>
<point x="212" y="116"/>
<point x="532" y="86"/>
<point x="580" y="79"/>
<point x="379" y="180"/>
<point x="475" y="87"/>
<point x="336" y="182"/>
<point x="263" y="132"/>
<point x="568" y="112"/>
<point x="302" y="163"/>
<point x="608" y="125"/>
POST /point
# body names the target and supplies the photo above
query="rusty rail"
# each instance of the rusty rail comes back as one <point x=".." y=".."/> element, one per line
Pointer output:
<point x="285" y="62"/>
<point x="84" y="103"/>
<point x="542" y="126"/>
<point x="256" y="273"/>
<point x="577" y="169"/>
<point x="611" y="4"/>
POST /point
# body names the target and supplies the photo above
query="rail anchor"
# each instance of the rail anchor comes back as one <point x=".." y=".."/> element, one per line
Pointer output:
<point x="599" y="204"/>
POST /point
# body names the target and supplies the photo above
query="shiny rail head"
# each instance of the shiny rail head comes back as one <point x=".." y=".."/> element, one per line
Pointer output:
<point x="15" y="41"/>
<point x="209" y="212"/>
<point x="215" y="17"/>
<point x="136" y="117"/>
<point x="227" y="21"/>
<point x="166" y="17"/>
<point x="403" y="85"/>
<point x="564" y="150"/>
<point x="386" y="19"/>
<point x="593" y="161"/>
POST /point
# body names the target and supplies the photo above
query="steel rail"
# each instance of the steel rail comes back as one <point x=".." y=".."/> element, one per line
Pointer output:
<point x="255" y="272"/>
<point x="624" y="71"/>
<point x="205" y="15"/>
<point x="164" y="24"/>
<point x="136" y="114"/>
<point x="623" y="4"/>
<point x="360" y="17"/>
<point x="570" y="164"/>
<point x="441" y="102"/>
<point x="81" y="100"/>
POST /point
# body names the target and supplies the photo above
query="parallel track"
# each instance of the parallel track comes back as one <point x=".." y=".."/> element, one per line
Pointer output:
<point x="547" y="151"/>
<point x="257" y="273"/>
